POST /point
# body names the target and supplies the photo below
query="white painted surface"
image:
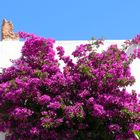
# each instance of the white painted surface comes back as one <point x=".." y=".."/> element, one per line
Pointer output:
<point x="11" y="50"/>
<point x="2" y="136"/>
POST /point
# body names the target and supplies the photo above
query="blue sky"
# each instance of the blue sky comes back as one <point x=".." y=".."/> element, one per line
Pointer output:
<point x="74" y="19"/>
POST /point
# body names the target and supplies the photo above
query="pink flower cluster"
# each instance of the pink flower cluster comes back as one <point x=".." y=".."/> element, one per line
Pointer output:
<point x="88" y="100"/>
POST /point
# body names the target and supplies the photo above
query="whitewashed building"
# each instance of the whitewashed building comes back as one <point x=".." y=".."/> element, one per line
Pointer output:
<point x="12" y="50"/>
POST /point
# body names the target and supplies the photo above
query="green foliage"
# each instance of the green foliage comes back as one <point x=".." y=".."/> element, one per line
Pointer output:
<point x="137" y="134"/>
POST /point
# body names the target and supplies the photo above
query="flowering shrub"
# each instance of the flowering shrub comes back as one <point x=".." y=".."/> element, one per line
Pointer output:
<point x="87" y="100"/>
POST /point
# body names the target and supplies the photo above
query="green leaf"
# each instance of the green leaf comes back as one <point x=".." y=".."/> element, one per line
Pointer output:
<point x="86" y="70"/>
<point x="127" y="112"/>
<point x="40" y="74"/>
<point x="137" y="134"/>
<point x="109" y="75"/>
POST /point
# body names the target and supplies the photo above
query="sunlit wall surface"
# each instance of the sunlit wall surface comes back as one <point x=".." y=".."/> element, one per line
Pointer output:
<point x="12" y="50"/>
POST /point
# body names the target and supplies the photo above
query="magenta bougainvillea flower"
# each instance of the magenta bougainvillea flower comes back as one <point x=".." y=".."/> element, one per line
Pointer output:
<point x="87" y="100"/>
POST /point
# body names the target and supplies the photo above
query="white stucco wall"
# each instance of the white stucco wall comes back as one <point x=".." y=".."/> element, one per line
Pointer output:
<point x="2" y="136"/>
<point x="11" y="50"/>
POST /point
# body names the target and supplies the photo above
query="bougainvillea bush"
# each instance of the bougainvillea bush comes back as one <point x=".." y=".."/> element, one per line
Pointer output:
<point x="88" y="100"/>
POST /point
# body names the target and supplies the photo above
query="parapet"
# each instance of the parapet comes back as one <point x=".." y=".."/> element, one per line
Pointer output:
<point x="7" y="32"/>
